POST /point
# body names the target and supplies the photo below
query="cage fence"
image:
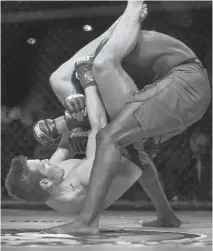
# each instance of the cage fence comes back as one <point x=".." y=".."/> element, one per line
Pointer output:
<point x="32" y="51"/>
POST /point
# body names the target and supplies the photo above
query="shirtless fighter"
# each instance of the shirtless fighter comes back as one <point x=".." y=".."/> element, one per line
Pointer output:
<point x="114" y="103"/>
<point x="63" y="184"/>
<point x="177" y="95"/>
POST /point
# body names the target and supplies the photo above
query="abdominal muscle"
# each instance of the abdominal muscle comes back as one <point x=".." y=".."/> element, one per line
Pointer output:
<point x="72" y="202"/>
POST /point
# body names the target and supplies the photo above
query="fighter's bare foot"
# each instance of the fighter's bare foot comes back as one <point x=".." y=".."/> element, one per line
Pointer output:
<point x="144" y="12"/>
<point x="136" y="7"/>
<point x="74" y="227"/>
<point x="166" y="222"/>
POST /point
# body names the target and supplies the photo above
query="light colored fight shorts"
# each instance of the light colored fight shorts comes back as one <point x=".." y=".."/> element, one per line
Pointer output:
<point x="172" y="104"/>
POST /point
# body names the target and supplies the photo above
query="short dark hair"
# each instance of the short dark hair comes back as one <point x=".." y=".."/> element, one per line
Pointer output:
<point x="23" y="184"/>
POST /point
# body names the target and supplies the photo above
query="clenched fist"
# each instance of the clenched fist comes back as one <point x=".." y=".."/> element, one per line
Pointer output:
<point x="76" y="106"/>
<point x="78" y="140"/>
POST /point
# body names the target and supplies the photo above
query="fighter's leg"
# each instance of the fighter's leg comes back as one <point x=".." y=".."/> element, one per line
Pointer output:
<point x="112" y="51"/>
<point x="151" y="184"/>
<point x="124" y="130"/>
<point x="102" y="172"/>
<point x="125" y="35"/>
<point x="75" y="103"/>
<point x="113" y="80"/>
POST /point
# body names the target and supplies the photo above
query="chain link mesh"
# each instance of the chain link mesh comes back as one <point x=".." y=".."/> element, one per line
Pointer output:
<point x="32" y="51"/>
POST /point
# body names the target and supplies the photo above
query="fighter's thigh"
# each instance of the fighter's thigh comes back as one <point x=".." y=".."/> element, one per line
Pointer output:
<point x="175" y="103"/>
<point x="116" y="88"/>
<point x="124" y="129"/>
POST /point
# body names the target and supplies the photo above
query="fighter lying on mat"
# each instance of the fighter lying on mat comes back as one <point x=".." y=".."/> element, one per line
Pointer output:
<point x="158" y="200"/>
<point x="63" y="184"/>
<point x="115" y="97"/>
<point x="43" y="186"/>
<point x="178" y="97"/>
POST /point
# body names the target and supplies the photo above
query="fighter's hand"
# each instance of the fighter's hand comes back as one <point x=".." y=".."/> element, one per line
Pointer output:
<point x="78" y="140"/>
<point x="45" y="132"/>
<point x="76" y="106"/>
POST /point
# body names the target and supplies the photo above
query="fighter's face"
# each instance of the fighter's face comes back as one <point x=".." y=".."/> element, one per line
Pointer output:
<point x="199" y="144"/>
<point x="53" y="173"/>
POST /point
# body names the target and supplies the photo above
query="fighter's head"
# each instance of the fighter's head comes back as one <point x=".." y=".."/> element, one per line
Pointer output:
<point x="32" y="180"/>
<point x="199" y="144"/>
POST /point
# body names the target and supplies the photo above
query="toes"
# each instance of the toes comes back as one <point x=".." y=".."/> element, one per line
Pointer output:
<point x="154" y="223"/>
<point x="143" y="224"/>
<point x="45" y="232"/>
<point x="144" y="6"/>
<point x="55" y="231"/>
<point x="144" y="15"/>
<point x="144" y="12"/>
<point x="42" y="232"/>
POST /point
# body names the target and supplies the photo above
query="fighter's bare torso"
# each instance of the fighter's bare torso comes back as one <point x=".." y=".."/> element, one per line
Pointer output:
<point x="77" y="174"/>
<point x="154" y="56"/>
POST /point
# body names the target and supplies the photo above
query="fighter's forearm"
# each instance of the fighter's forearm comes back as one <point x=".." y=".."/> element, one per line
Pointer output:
<point x="62" y="88"/>
<point x="60" y="155"/>
<point x="108" y="155"/>
<point x="63" y="150"/>
<point x="95" y="108"/>
<point x="97" y="117"/>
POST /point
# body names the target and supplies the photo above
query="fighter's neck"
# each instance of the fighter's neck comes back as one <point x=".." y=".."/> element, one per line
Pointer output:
<point x="69" y="166"/>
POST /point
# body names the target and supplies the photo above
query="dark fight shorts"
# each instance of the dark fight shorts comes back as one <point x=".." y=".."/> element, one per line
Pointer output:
<point x="172" y="104"/>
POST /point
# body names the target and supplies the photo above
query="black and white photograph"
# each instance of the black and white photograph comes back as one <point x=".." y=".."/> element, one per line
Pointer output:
<point x="106" y="125"/>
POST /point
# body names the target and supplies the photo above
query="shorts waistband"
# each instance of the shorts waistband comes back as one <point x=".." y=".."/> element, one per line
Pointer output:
<point x="193" y="61"/>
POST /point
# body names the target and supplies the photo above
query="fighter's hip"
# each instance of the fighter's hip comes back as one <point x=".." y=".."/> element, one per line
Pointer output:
<point x="172" y="104"/>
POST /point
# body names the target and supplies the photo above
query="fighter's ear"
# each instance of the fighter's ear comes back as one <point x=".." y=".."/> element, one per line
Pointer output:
<point x="45" y="183"/>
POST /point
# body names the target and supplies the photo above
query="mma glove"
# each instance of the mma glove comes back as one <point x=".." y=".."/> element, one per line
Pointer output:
<point x="78" y="140"/>
<point x="72" y="123"/>
<point x="45" y="132"/>
<point x="76" y="106"/>
<point x="83" y="71"/>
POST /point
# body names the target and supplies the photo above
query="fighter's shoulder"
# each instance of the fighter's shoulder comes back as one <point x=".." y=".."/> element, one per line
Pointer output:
<point x="75" y="163"/>
<point x="85" y="162"/>
<point x="70" y="163"/>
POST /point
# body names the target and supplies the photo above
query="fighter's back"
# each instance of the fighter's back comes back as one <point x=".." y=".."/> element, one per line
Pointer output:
<point x="154" y="56"/>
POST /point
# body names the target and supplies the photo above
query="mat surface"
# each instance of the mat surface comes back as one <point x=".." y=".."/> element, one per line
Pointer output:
<point x="119" y="230"/>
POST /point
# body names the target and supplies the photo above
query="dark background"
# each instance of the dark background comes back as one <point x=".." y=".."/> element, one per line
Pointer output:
<point x="57" y="29"/>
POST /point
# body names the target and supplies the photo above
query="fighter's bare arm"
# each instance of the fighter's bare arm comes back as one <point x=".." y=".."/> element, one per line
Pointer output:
<point x="63" y="151"/>
<point x="60" y="80"/>
<point x="97" y="118"/>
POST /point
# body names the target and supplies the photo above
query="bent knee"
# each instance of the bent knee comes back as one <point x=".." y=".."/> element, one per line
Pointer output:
<point x="207" y="96"/>
<point x="204" y="99"/>
<point x="105" y="136"/>
<point x="54" y="80"/>
<point x="103" y="63"/>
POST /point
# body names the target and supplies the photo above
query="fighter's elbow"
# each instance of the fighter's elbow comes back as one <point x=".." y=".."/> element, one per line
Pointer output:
<point x="98" y="124"/>
<point x="55" y="81"/>
<point x="97" y="66"/>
